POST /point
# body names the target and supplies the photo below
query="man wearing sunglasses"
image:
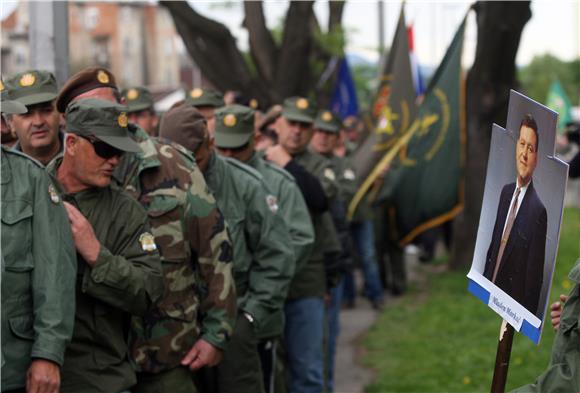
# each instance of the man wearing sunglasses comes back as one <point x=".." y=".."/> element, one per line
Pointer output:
<point x="119" y="271"/>
<point x="38" y="129"/>
<point x="191" y="324"/>
<point x="263" y="257"/>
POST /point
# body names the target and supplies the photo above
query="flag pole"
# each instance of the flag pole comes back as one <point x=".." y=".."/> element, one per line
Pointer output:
<point x="502" y="358"/>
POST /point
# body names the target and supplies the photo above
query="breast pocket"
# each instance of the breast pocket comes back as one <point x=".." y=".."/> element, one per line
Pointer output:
<point x="17" y="236"/>
<point x="180" y="299"/>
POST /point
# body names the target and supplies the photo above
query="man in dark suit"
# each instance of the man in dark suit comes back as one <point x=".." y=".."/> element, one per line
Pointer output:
<point x="515" y="258"/>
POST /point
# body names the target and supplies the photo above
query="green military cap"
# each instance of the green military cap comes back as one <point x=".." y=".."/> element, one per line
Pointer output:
<point x="234" y="126"/>
<point x="106" y="121"/>
<point x="328" y="121"/>
<point x="299" y="109"/>
<point x="32" y="87"/>
<point x="204" y="97"/>
<point x="137" y="99"/>
<point x="8" y="106"/>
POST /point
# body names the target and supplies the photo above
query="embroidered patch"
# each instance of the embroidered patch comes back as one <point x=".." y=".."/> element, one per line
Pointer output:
<point x="329" y="174"/>
<point x="272" y="202"/>
<point x="147" y="242"/>
<point x="53" y="195"/>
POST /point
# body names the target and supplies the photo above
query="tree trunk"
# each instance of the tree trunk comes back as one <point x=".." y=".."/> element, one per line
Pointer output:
<point x="499" y="28"/>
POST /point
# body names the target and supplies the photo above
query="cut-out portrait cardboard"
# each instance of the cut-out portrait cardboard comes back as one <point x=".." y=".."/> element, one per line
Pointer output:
<point x="520" y="218"/>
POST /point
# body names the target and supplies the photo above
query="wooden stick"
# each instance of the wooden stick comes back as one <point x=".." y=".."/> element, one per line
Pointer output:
<point x="502" y="358"/>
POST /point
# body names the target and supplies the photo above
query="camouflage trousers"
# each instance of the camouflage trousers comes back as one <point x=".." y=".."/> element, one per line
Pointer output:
<point x="177" y="380"/>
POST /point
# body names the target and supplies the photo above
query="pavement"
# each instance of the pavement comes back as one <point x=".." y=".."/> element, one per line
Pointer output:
<point x="349" y="375"/>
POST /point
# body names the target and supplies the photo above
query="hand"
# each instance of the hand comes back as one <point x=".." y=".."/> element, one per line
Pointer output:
<point x="43" y="376"/>
<point x="202" y="354"/>
<point x="556" y="311"/>
<point x="86" y="242"/>
<point x="278" y="155"/>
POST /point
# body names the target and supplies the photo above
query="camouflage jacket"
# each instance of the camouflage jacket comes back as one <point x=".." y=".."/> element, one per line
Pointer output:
<point x="196" y="254"/>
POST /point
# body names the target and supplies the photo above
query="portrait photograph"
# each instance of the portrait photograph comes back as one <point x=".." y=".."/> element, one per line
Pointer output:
<point x="520" y="218"/>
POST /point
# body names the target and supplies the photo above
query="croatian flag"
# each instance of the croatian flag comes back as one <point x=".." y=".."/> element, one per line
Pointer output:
<point x="417" y="79"/>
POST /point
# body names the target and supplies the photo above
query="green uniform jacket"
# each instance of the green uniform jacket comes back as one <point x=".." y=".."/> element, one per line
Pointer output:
<point x="38" y="269"/>
<point x="310" y="280"/>
<point x="263" y="256"/>
<point x="125" y="280"/>
<point x="196" y="256"/>
<point x="349" y="183"/>
<point x="563" y="373"/>
<point x="294" y="211"/>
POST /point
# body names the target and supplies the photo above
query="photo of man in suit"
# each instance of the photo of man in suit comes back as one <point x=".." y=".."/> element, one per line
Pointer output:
<point x="515" y="258"/>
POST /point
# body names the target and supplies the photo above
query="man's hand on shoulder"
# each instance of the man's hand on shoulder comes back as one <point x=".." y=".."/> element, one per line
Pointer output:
<point x="43" y="376"/>
<point x="202" y="354"/>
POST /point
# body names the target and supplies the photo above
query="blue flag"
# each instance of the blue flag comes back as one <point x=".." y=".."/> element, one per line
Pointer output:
<point x="344" y="101"/>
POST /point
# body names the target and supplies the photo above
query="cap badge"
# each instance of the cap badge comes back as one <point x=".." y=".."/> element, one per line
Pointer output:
<point x="132" y="94"/>
<point x="147" y="242"/>
<point x="27" y="80"/>
<point x="122" y="119"/>
<point x="254" y="103"/>
<point x="230" y="120"/>
<point x="302" y="103"/>
<point x="196" y="93"/>
<point x="326" y="116"/>
<point x="103" y="77"/>
<point x="1" y="85"/>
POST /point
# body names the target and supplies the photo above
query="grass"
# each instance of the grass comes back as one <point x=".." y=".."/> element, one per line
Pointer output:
<point x="440" y="338"/>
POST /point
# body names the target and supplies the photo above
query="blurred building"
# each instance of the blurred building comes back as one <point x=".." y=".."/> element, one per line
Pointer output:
<point x="136" y="40"/>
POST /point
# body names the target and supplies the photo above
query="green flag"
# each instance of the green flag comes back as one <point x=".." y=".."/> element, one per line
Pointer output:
<point x="558" y="101"/>
<point x="429" y="182"/>
<point x="393" y="110"/>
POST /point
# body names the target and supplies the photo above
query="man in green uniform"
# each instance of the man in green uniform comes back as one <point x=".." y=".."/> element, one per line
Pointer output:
<point x="38" y="274"/>
<point x="263" y="257"/>
<point x="190" y="325"/>
<point x="140" y="109"/>
<point x="563" y="372"/>
<point x="238" y="142"/>
<point x="305" y="306"/>
<point x="119" y="271"/>
<point x="206" y="101"/>
<point x="38" y="129"/>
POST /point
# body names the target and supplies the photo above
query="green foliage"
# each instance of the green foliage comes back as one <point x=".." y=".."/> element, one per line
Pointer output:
<point x="440" y="338"/>
<point x="537" y="77"/>
<point x="332" y="42"/>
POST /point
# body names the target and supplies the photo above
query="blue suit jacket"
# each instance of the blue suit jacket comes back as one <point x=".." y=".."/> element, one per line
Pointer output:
<point x="521" y="270"/>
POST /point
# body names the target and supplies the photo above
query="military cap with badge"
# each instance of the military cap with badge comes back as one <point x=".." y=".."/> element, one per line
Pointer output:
<point x="32" y="87"/>
<point x="137" y="99"/>
<point x="199" y="97"/>
<point x="299" y="109"/>
<point x="103" y="124"/>
<point x="86" y="80"/>
<point x="234" y="126"/>
<point x="328" y="121"/>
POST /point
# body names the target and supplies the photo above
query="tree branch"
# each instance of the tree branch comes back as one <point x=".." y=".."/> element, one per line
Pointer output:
<point x="262" y="46"/>
<point x="292" y="66"/>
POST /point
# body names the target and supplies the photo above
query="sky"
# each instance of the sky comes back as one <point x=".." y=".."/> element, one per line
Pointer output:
<point x="554" y="27"/>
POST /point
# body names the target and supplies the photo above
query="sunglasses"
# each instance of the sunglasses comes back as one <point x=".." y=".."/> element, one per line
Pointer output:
<point x="103" y="149"/>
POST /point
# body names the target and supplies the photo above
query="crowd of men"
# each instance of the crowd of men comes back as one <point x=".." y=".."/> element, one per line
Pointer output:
<point x="206" y="251"/>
